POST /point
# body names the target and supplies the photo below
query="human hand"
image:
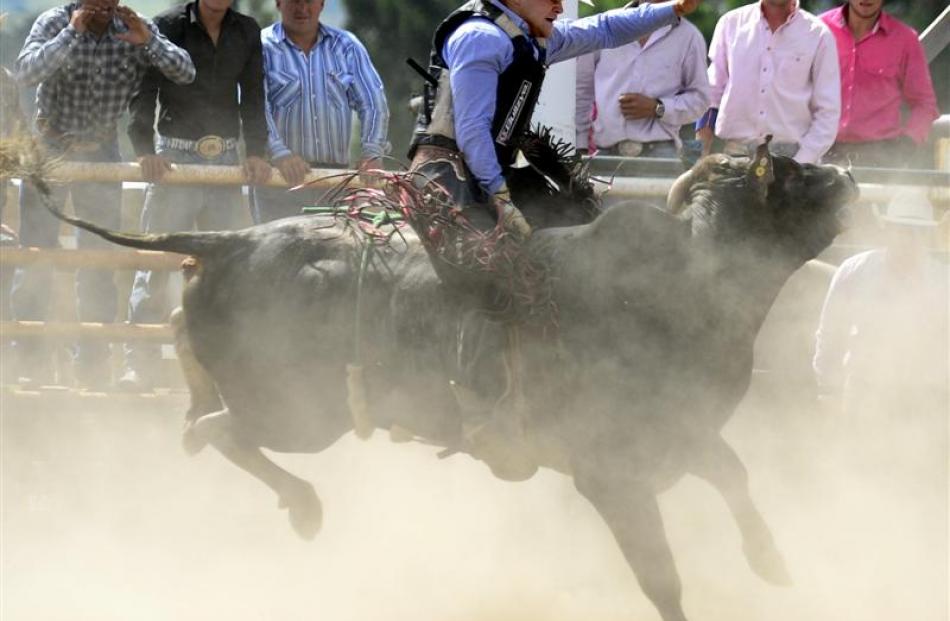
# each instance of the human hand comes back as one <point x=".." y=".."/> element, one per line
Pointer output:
<point x="685" y="7"/>
<point x="81" y="17"/>
<point x="154" y="167"/>
<point x="138" y="33"/>
<point x="293" y="169"/>
<point x="257" y="171"/>
<point x="636" y="106"/>
<point x="510" y="217"/>
<point x="705" y="136"/>
<point x="368" y="164"/>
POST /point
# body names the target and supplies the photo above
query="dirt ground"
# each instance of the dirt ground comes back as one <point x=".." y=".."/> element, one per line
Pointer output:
<point x="104" y="518"/>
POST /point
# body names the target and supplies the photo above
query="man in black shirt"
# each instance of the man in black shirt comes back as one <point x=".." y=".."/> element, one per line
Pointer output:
<point x="197" y="124"/>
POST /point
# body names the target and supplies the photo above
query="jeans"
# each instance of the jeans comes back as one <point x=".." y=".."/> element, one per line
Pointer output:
<point x="167" y="209"/>
<point x="275" y="203"/>
<point x="95" y="289"/>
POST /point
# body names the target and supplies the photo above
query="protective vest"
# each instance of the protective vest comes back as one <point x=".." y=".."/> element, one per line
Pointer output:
<point x="518" y="86"/>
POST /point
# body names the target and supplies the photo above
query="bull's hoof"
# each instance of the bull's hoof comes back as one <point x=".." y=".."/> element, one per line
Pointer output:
<point x="767" y="562"/>
<point x="194" y="438"/>
<point x="304" y="510"/>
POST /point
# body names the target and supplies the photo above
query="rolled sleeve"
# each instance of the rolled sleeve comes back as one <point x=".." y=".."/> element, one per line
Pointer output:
<point x="46" y="48"/>
<point x="174" y="62"/>
<point x="368" y="97"/>
<point x="918" y="92"/>
<point x="825" y="103"/>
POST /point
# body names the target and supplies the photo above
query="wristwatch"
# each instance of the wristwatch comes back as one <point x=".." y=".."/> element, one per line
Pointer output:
<point x="660" y="109"/>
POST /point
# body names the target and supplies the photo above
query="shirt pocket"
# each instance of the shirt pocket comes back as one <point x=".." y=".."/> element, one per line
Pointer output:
<point x="119" y="73"/>
<point x="283" y="89"/>
<point x="794" y="67"/>
<point x="338" y="83"/>
<point x="878" y="69"/>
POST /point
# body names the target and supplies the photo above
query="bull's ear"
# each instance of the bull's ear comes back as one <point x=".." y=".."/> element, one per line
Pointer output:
<point x="761" y="171"/>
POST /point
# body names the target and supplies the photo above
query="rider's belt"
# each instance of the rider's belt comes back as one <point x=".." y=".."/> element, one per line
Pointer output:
<point x="207" y="147"/>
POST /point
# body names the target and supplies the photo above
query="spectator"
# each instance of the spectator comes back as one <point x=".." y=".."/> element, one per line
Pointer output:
<point x="882" y="339"/>
<point x="774" y="71"/>
<point x="644" y="92"/>
<point x="88" y="58"/>
<point x="315" y="77"/>
<point x="882" y="67"/>
<point x="198" y="123"/>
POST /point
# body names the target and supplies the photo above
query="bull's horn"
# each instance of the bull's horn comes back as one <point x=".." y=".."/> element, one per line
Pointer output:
<point x="679" y="190"/>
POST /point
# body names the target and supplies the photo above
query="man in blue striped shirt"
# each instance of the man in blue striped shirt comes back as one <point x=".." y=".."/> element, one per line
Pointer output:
<point x="315" y="76"/>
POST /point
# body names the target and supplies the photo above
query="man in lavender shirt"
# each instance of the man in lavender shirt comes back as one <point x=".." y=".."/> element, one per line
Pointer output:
<point x="633" y="99"/>
<point x="774" y="71"/>
<point x="487" y="65"/>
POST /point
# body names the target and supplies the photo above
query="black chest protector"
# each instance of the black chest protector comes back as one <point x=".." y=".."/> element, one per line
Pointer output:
<point x="518" y="86"/>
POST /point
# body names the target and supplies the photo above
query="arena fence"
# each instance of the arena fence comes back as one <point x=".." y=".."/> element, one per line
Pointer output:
<point x="627" y="187"/>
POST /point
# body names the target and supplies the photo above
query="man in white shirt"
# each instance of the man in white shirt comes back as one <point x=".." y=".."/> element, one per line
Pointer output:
<point x="632" y="100"/>
<point x="882" y="338"/>
<point x="774" y="70"/>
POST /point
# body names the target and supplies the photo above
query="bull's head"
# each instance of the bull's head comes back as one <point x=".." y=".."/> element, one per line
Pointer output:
<point x="767" y="201"/>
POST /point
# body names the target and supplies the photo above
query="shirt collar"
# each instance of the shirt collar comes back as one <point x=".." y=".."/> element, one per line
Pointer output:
<point x="796" y="9"/>
<point x="192" y="9"/>
<point x="323" y="30"/>
<point x="884" y="21"/>
<point x="523" y="25"/>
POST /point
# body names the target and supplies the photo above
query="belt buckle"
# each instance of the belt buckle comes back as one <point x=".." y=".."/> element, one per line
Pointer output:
<point x="629" y="148"/>
<point x="82" y="146"/>
<point x="210" y="147"/>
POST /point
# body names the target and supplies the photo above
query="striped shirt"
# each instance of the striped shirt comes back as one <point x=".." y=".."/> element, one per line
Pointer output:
<point x="85" y="83"/>
<point x="310" y="97"/>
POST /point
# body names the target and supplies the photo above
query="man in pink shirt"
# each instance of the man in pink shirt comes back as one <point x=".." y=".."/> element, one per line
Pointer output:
<point x="773" y="70"/>
<point x="882" y="66"/>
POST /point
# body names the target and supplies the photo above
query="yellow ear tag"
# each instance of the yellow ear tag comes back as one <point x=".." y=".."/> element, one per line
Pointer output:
<point x="760" y="171"/>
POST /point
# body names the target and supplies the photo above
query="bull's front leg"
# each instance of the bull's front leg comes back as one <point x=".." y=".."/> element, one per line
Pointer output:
<point x="716" y="462"/>
<point x="630" y="508"/>
<point x="294" y="494"/>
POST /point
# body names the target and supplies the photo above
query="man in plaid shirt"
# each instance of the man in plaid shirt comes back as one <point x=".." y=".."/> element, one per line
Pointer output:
<point x="88" y="58"/>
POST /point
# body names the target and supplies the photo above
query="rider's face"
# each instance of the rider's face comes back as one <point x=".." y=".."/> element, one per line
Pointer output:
<point x="540" y="14"/>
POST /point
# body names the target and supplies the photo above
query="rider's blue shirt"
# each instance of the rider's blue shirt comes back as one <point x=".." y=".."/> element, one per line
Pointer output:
<point x="479" y="51"/>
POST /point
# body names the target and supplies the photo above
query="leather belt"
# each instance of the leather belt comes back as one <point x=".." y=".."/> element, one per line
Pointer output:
<point x="207" y="147"/>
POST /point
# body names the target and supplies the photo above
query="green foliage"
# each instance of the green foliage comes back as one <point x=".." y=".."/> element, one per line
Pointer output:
<point x="264" y="11"/>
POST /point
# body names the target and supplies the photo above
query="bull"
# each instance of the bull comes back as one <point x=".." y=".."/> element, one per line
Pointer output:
<point x="657" y="314"/>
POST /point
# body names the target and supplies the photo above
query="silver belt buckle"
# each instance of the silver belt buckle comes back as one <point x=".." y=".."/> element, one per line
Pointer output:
<point x="629" y="148"/>
<point x="210" y="147"/>
<point x="84" y="147"/>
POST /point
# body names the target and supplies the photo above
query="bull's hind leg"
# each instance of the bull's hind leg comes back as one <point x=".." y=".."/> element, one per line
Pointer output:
<point x="293" y="493"/>
<point x="717" y="463"/>
<point x="204" y="392"/>
<point x="631" y="511"/>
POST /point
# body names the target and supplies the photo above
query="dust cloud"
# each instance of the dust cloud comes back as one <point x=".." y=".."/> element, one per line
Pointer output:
<point x="105" y="518"/>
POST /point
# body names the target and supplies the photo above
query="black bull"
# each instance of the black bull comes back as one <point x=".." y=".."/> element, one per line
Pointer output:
<point x="658" y="312"/>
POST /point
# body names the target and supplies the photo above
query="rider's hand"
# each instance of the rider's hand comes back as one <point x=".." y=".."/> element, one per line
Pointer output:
<point x="510" y="217"/>
<point x="257" y="171"/>
<point x="685" y="7"/>
<point x="154" y="167"/>
<point x="293" y="169"/>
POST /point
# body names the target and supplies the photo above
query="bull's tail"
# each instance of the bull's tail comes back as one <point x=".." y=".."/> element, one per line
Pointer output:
<point x="200" y="243"/>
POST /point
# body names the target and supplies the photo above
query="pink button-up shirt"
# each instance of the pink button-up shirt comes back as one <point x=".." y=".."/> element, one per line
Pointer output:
<point x="879" y="72"/>
<point x="783" y="83"/>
